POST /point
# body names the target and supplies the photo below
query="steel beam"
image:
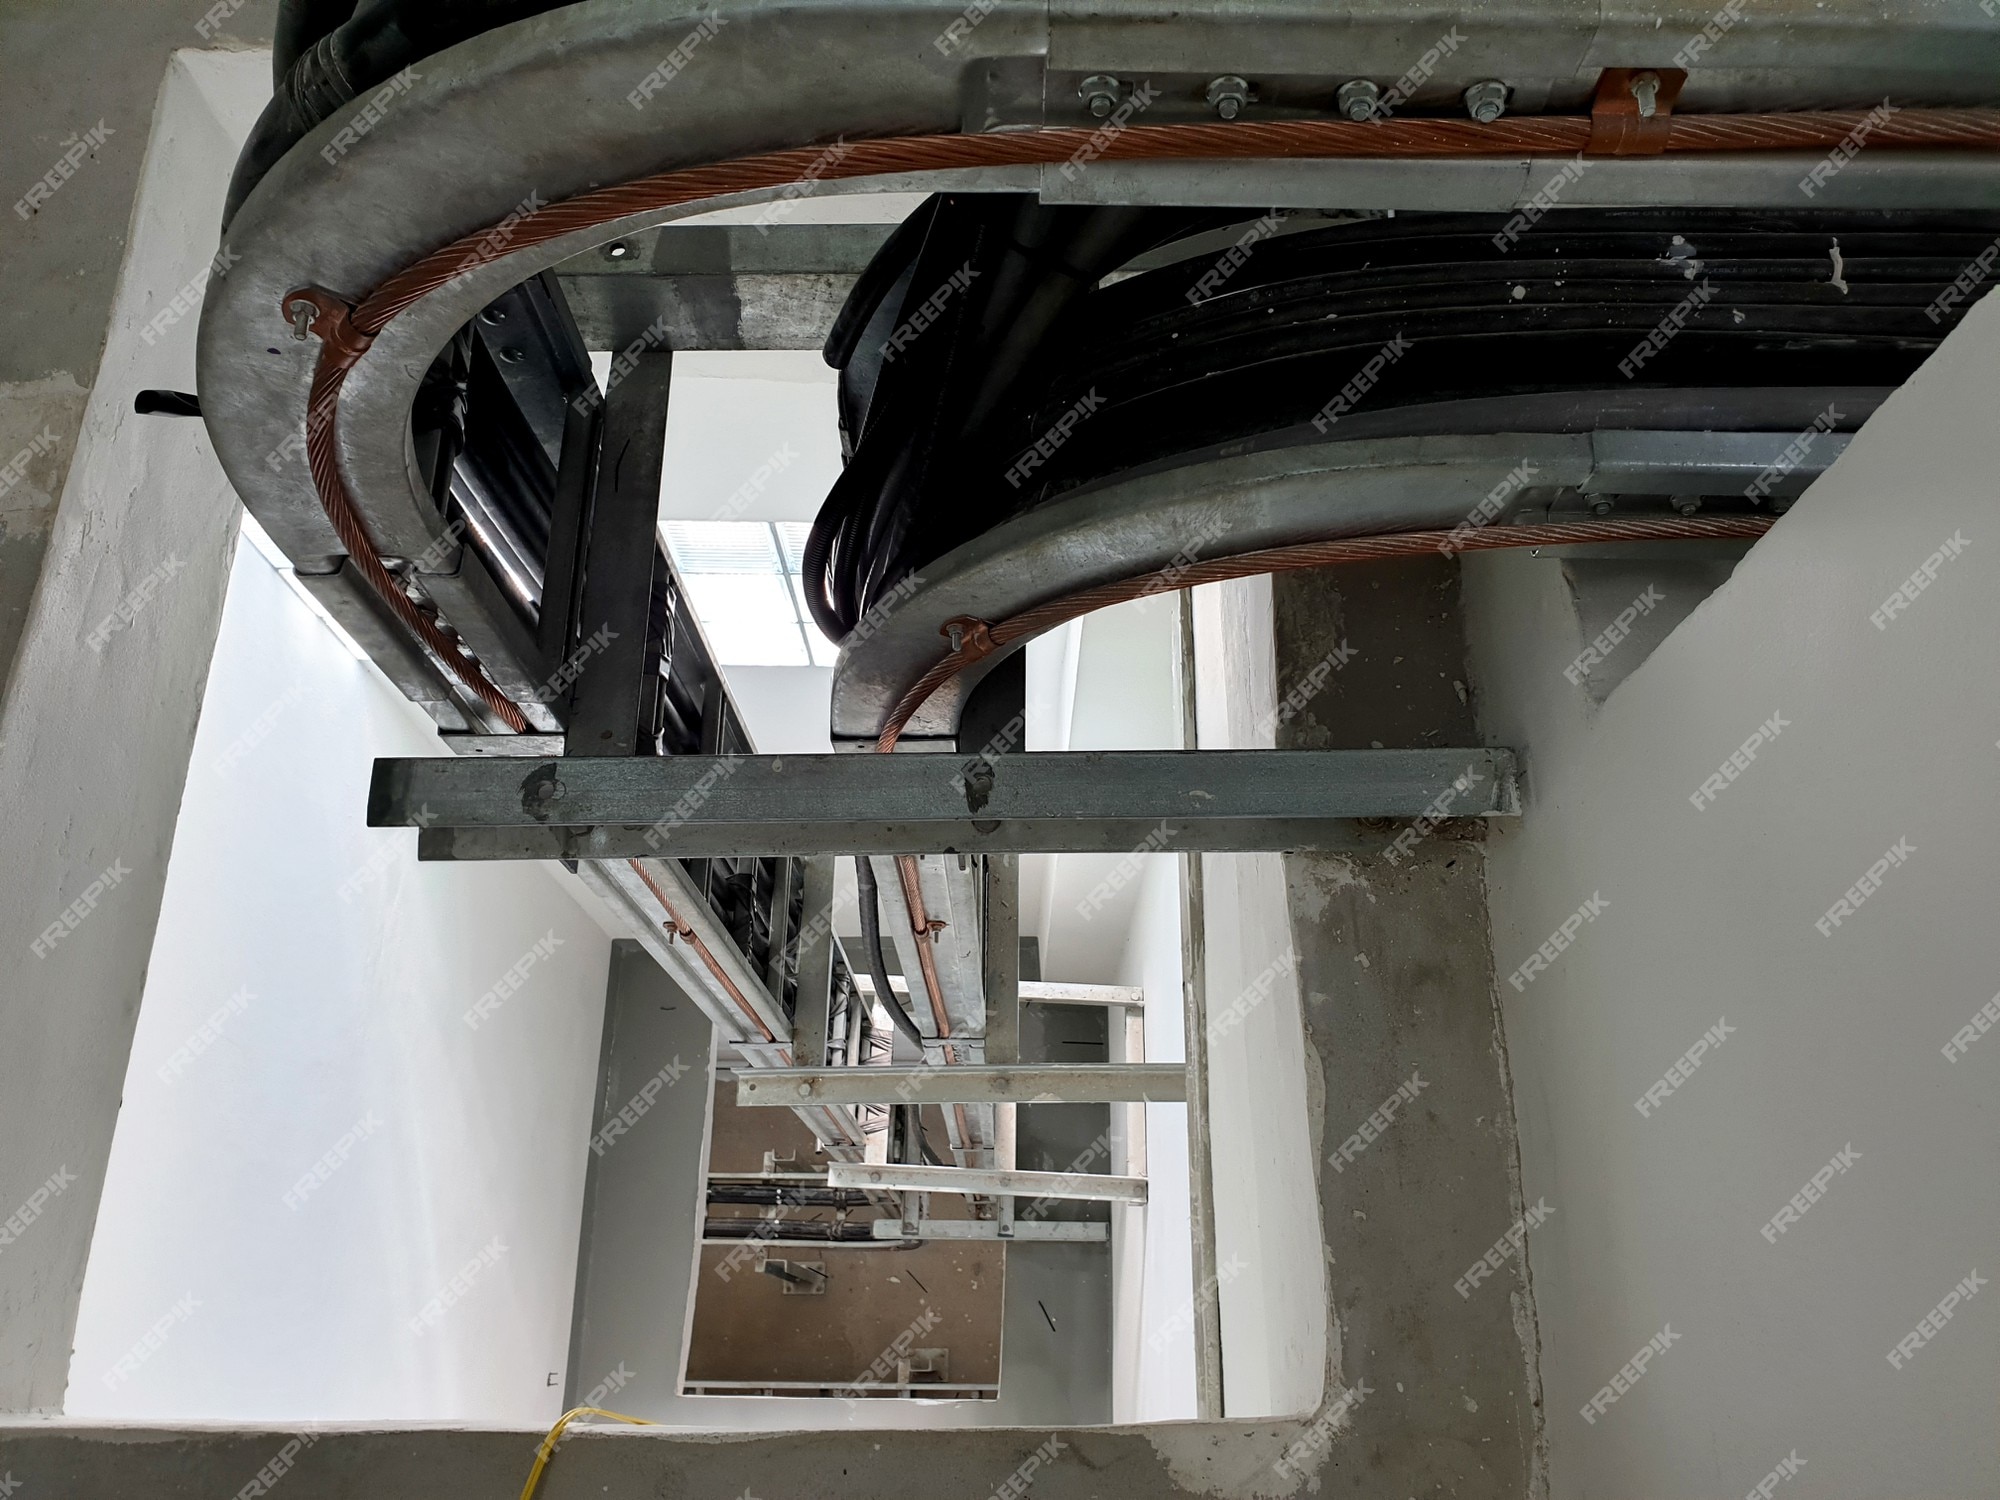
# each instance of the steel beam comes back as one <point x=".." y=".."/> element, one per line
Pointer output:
<point x="1053" y="1083"/>
<point x="815" y="954"/>
<point x="1057" y="1230"/>
<point x="1144" y="801"/>
<point x="1000" y="977"/>
<point x="619" y="559"/>
<point x="713" y="286"/>
<point x="1901" y="179"/>
<point x="1039" y="991"/>
<point x="1083" y="1186"/>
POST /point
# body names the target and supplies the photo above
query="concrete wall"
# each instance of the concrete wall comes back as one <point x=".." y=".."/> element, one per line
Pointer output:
<point x="1780" y="1344"/>
<point x="253" y="877"/>
<point x="65" y="70"/>
<point x="94" y="737"/>
<point x="1417" y="1157"/>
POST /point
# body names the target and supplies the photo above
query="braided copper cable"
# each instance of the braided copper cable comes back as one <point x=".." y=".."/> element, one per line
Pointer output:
<point x="337" y="353"/>
<point x="979" y="640"/>
<point x="676" y="928"/>
<point x="1904" y="129"/>
<point x="348" y="335"/>
<point x="1522" y="135"/>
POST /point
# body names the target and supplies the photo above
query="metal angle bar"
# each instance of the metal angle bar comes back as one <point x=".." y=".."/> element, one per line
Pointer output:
<point x="1902" y="179"/>
<point x="1039" y="991"/>
<point x="987" y="1083"/>
<point x="763" y="1021"/>
<point x="1044" y="992"/>
<point x="619" y="559"/>
<point x="1078" y="836"/>
<point x="505" y="746"/>
<point x="987" y="1229"/>
<point x="1084" y="1186"/>
<point x="915" y="803"/>
<point x="913" y="1387"/>
<point x="1000" y="956"/>
<point x="815" y="950"/>
<point x="1194" y="1020"/>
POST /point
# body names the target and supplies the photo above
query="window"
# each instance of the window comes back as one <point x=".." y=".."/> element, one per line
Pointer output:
<point x="743" y="577"/>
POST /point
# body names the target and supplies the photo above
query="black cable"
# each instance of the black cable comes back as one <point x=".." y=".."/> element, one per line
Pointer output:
<point x="166" y="404"/>
<point x="871" y="942"/>
<point x="931" y="1158"/>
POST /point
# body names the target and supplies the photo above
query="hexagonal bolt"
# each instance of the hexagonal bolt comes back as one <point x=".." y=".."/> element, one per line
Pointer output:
<point x="1228" y="95"/>
<point x="1486" y="101"/>
<point x="1600" y="505"/>
<point x="1687" y="505"/>
<point x="1100" y="92"/>
<point x="1646" y="89"/>
<point x="1358" y="99"/>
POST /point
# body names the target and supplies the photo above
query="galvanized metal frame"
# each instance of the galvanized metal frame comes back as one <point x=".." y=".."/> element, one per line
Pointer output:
<point x="777" y="73"/>
<point x="903" y="804"/>
<point x="979" y="1083"/>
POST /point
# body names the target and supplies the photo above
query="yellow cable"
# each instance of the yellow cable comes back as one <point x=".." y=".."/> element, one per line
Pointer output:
<point x="547" y="1451"/>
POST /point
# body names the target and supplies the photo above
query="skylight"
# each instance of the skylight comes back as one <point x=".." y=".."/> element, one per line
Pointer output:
<point x="743" y="577"/>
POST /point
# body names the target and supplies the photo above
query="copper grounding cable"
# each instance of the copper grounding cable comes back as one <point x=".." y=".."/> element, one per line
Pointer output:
<point x="347" y="330"/>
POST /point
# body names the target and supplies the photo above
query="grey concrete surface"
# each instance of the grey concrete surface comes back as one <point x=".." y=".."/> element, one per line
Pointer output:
<point x="97" y="720"/>
<point x="1396" y="975"/>
<point x="64" y="70"/>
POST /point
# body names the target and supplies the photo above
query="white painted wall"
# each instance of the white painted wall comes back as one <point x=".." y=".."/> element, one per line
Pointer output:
<point x="736" y="412"/>
<point x="1153" y="1311"/>
<point x="1109" y="681"/>
<point x="333" y="973"/>
<point x="1273" y="1303"/>
<point x="1106" y="682"/>
<point x="233" y="888"/>
<point x="788" y="710"/>
<point x="1781" y="1345"/>
<point x="94" y="742"/>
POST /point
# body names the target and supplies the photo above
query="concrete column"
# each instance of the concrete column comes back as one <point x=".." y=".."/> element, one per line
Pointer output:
<point x="1419" y="1176"/>
<point x="65" y="72"/>
<point x="96" y="726"/>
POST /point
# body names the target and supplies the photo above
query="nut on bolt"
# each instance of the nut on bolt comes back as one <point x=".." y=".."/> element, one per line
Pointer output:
<point x="1100" y="92"/>
<point x="1486" y="101"/>
<point x="1358" y="99"/>
<point x="1228" y="95"/>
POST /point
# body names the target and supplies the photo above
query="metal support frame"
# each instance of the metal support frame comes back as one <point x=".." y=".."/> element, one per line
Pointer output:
<point x="815" y="941"/>
<point x="1081" y="1186"/>
<point x="982" y="1083"/>
<point x="620" y="553"/>
<point x="1000" y="968"/>
<point x="902" y="804"/>
<point x="1039" y="991"/>
<point x="1047" y="1230"/>
<point x="1194" y="1018"/>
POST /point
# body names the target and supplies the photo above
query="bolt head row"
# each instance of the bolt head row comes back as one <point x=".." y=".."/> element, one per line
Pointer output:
<point x="1358" y="99"/>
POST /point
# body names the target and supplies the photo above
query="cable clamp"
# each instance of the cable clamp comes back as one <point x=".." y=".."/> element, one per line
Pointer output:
<point x="1633" y="112"/>
<point x="970" y="637"/>
<point x="311" y="309"/>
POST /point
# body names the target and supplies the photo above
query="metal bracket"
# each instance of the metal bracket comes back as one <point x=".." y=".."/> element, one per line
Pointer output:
<point x="1633" y="112"/>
